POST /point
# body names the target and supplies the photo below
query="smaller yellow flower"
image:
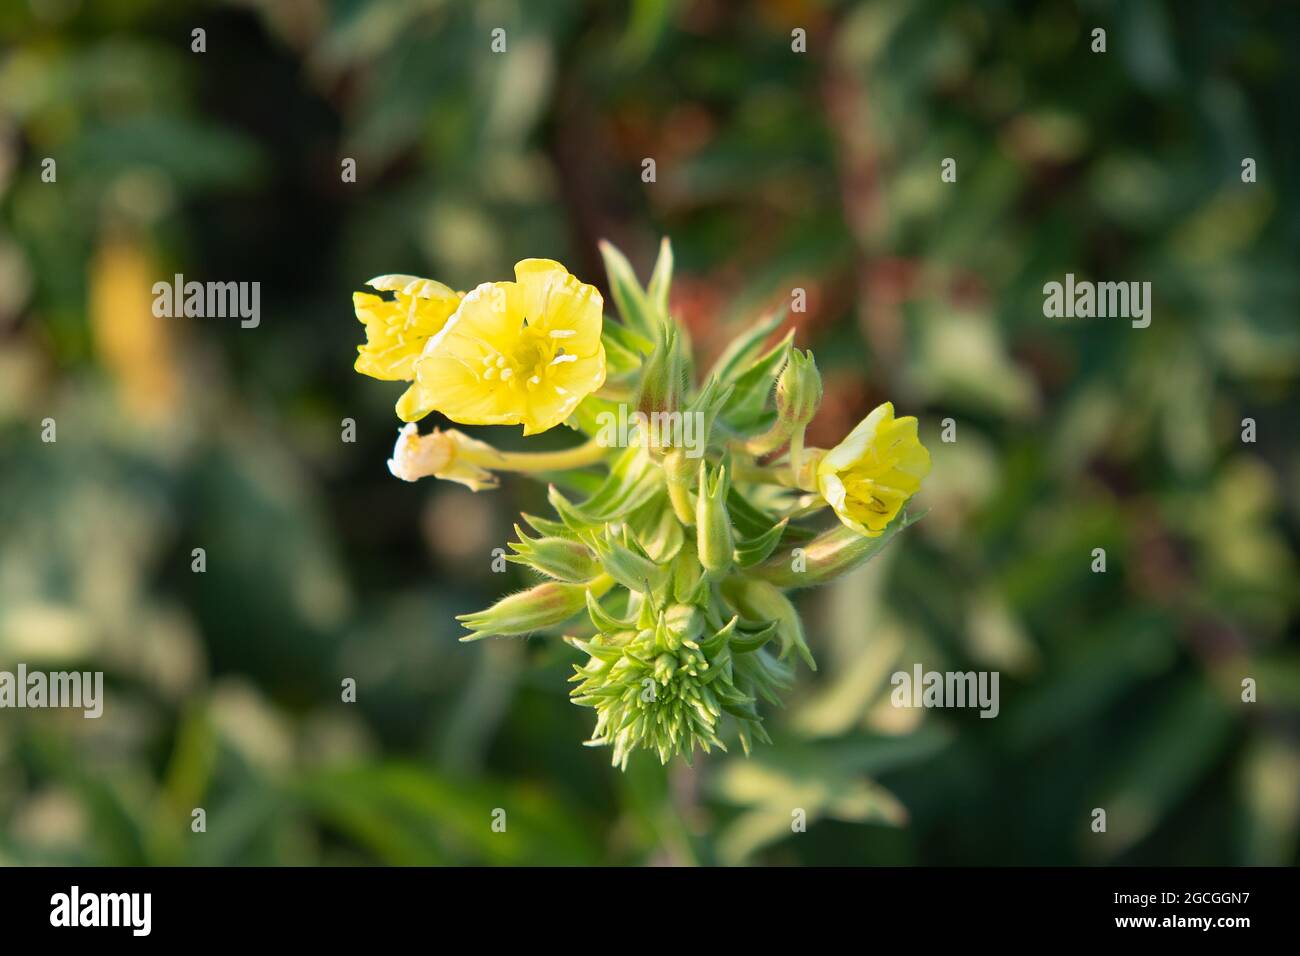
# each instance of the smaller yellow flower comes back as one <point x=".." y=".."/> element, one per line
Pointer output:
<point x="397" y="329"/>
<point x="869" y="476"/>
<point x="523" y="352"/>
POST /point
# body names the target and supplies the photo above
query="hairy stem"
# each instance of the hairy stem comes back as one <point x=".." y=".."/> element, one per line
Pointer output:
<point x="529" y="462"/>
<point x="764" y="474"/>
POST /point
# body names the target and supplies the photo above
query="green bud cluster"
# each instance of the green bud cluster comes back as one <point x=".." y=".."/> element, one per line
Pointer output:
<point x="666" y="688"/>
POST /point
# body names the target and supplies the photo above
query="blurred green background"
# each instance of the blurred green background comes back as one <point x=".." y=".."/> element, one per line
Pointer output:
<point x="776" y="170"/>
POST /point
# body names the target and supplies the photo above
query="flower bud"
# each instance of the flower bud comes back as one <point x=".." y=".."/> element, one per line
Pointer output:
<point x="663" y="376"/>
<point x="627" y="564"/>
<point x="679" y="473"/>
<point x="713" y="521"/>
<point x="678" y="467"/>
<point x="798" y="395"/>
<point x="438" y="453"/>
<point x="761" y="602"/>
<point x="543" y="606"/>
<point x="559" y="558"/>
<point x="689" y="582"/>
<point x="685" y="620"/>
<point x="665" y="667"/>
<point x="827" y="556"/>
<point x="798" y="389"/>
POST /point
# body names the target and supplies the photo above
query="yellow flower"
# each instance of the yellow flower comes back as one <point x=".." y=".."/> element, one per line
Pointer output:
<point x="870" y="475"/>
<point x="523" y="352"/>
<point x="397" y="329"/>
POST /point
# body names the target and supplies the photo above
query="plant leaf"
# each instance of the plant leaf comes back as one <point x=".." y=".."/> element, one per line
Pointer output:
<point x="746" y="410"/>
<point x="662" y="278"/>
<point x="745" y="348"/>
<point x="633" y="305"/>
<point x="752" y="551"/>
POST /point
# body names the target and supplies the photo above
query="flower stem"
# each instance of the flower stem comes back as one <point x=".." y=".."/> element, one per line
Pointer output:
<point x="747" y="471"/>
<point x="679" y="475"/>
<point x="588" y="453"/>
<point x="796" y="450"/>
<point x="769" y="441"/>
<point x="616" y="393"/>
<point x="680" y="498"/>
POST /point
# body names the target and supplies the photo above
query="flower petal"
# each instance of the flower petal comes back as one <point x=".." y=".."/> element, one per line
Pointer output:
<point x="856" y="443"/>
<point x="561" y="304"/>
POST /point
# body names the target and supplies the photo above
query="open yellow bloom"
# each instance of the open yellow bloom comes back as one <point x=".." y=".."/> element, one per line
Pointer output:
<point x="523" y="352"/>
<point x="870" y="475"/>
<point x="397" y="329"/>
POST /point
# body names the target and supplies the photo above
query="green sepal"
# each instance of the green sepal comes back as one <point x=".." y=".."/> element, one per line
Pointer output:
<point x="665" y="639"/>
<point x="690" y="586"/>
<point x="600" y="651"/>
<point x="762" y="603"/>
<point x="747" y="409"/>
<point x="750" y="520"/>
<point x="623" y="558"/>
<point x="633" y="480"/>
<point x="746" y="347"/>
<point x="719" y="640"/>
<point x="547" y="527"/>
<point x="560" y="558"/>
<point x="746" y="642"/>
<point x="719" y="667"/>
<point x="633" y="304"/>
<point x="767" y="675"/>
<point x="603" y="620"/>
<point x="578" y="523"/>
<point x="658" y="530"/>
<point x="661" y="279"/>
<point x="709" y="402"/>
<point x="624" y="350"/>
<point x="687" y="621"/>
<point x="618" y="336"/>
<point x="647" y="611"/>
<point x="664" y="375"/>
<point x="752" y="551"/>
